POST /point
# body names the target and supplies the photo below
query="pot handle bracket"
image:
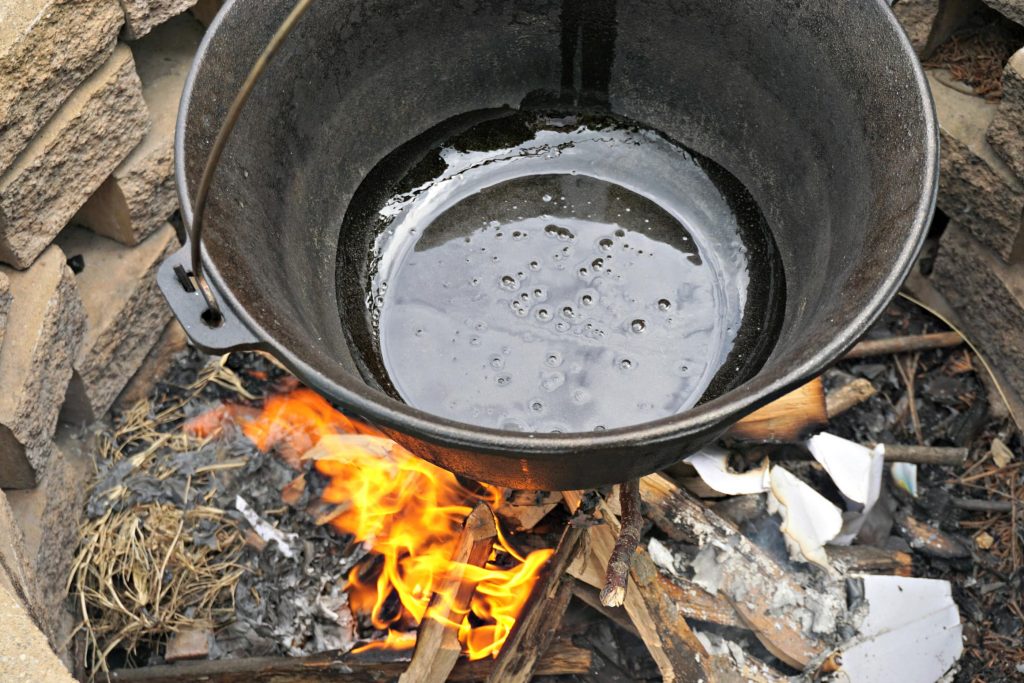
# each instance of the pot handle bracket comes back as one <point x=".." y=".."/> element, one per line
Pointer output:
<point x="216" y="332"/>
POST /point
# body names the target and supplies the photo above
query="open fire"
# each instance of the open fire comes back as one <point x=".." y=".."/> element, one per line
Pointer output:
<point x="408" y="512"/>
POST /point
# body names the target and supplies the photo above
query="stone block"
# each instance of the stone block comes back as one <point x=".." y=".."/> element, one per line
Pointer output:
<point x="1006" y="133"/>
<point x="49" y="517"/>
<point x="70" y="157"/>
<point x="206" y="10"/>
<point x="1011" y="9"/>
<point x="141" y="16"/>
<point x="5" y="305"/>
<point x="172" y="341"/>
<point x="976" y="187"/>
<point x="45" y="329"/>
<point x="125" y="315"/>
<point x="140" y="195"/>
<point x="988" y="297"/>
<point x="15" y="571"/>
<point x="916" y="17"/>
<point x="25" y="656"/>
<point x="47" y="48"/>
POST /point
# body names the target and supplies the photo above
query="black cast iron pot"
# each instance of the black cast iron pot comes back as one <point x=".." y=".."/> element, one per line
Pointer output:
<point x="819" y="108"/>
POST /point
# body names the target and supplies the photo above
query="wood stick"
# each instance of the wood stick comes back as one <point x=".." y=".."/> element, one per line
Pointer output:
<point x="977" y="505"/>
<point x="918" y="342"/>
<point x="541" y="616"/>
<point x="926" y="455"/>
<point x="847" y="396"/>
<point x="865" y="559"/>
<point x="614" y="591"/>
<point x="920" y="455"/>
<point x="787" y="418"/>
<point x="684" y="518"/>
<point x="437" y="642"/>
<point x="372" y="666"/>
<point x="673" y="646"/>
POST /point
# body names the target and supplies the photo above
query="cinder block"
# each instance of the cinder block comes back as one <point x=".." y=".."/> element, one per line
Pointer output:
<point x="5" y="305"/>
<point x="125" y="315"/>
<point x="15" y="569"/>
<point x="25" y="656"/>
<point x="976" y="187"/>
<point x="1006" y="134"/>
<point x="988" y="297"/>
<point x="48" y="517"/>
<point x="1011" y="9"/>
<point x="206" y="10"/>
<point x="140" y="16"/>
<point x="916" y="17"/>
<point x="45" y="328"/>
<point x="47" y="48"/>
<point x="140" y="196"/>
<point x="68" y="160"/>
<point x="172" y="341"/>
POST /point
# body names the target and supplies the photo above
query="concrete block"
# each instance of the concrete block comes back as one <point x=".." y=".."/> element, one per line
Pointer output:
<point x="68" y="160"/>
<point x="45" y="329"/>
<point x="141" y="16"/>
<point x="140" y="196"/>
<point x="47" y="48"/>
<point x="916" y="17"/>
<point x="172" y="341"/>
<point x="976" y="187"/>
<point x="1011" y="9"/>
<point x="49" y="517"/>
<point x="125" y="315"/>
<point x="5" y="305"/>
<point x="1006" y="133"/>
<point x="15" y="569"/>
<point x="206" y="10"/>
<point x="988" y="297"/>
<point x="25" y="656"/>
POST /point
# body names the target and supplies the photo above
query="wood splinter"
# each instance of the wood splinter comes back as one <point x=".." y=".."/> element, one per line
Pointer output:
<point x="614" y="592"/>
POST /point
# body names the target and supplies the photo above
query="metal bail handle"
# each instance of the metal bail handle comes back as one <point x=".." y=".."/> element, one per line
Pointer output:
<point x="213" y="316"/>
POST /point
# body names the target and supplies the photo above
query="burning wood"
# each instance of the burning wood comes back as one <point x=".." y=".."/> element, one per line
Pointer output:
<point x="437" y="642"/>
<point x="411" y="514"/>
<point x="541" y="616"/>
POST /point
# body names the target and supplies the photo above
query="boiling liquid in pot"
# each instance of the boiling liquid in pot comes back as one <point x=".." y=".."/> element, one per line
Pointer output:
<point x="563" y="274"/>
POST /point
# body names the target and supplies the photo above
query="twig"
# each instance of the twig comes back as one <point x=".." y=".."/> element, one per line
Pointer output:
<point x="849" y="395"/>
<point x="614" y="592"/>
<point x="926" y="455"/>
<point x="894" y="345"/>
<point x="909" y="374"/>
<point x="977" y="505"/>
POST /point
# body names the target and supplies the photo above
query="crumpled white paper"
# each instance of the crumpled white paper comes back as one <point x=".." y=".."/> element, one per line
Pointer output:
<point x="857" y="472"/>
<point x="712" y="464"/>
<point x="809" y="520"/>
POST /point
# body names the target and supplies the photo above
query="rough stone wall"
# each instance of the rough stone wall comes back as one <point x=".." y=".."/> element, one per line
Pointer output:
<point x="979" y="268"/>
<point x="87" y="107"/>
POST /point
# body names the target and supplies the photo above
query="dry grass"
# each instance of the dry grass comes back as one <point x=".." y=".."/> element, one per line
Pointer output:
<point x="139" y="574"/>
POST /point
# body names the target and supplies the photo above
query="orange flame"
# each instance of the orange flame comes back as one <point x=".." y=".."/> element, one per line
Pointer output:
<point x="406" y="510"/>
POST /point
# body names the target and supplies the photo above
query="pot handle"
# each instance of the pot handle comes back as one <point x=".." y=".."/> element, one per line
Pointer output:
<point x="212" y="317"/>
<point x="177" y="282"/>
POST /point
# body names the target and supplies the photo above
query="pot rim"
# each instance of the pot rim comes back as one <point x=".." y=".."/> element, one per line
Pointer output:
<point x="711" y="418"/>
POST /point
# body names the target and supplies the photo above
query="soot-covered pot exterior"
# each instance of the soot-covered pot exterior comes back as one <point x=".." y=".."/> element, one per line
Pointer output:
<point x="819" y="108"/>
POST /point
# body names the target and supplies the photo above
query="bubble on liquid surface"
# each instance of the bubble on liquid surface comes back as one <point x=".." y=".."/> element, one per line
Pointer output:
<point x="572" y="340"/>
